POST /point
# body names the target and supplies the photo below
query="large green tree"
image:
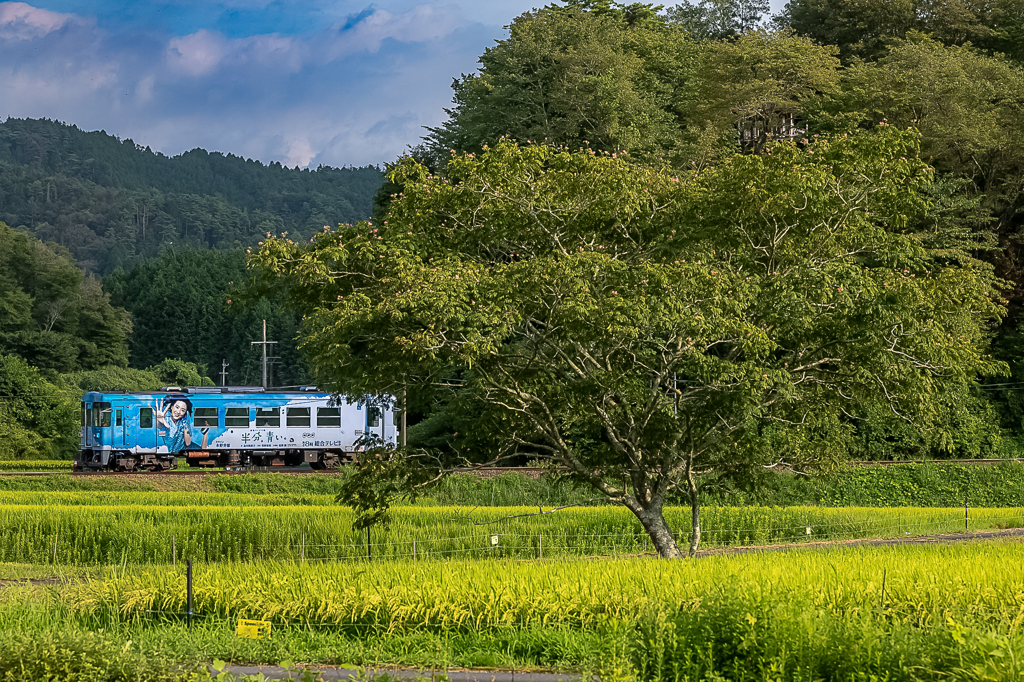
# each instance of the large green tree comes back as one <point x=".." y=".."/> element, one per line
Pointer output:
<point x="39" y="418"/>
<point x="646" y="330"/>
<point x="574" y="76"/>
<point x="51" y="314"/>
<point x="866" y="28"/>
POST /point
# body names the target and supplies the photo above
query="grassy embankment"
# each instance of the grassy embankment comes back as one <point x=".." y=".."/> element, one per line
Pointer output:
<point x="906" y="485"/>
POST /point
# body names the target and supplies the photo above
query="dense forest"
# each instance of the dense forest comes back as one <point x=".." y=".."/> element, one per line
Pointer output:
<point x="691" y="86"/>
<point x="114" y="204"/>
<point x="123" y="266"/>
<point x="116" y="265"/>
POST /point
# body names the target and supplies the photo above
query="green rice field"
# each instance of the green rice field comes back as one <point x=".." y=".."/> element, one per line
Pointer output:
<point x="578" y="590"/>
<point x="897" y="613"/>
<point x="94" y="528"/>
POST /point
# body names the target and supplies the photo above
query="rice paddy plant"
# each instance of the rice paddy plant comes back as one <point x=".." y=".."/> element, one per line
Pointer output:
<point x="926" y="612"/>
<point x="123" y="498"/>
<point x="35" y="465"/>
<point x="975" y="583"/>
<point x="268" y="527"/>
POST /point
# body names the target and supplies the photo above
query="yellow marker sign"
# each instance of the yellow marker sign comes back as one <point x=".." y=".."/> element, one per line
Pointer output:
<point x="253" y="629"/>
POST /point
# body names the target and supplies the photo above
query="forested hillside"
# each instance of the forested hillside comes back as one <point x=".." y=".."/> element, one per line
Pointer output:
<point x="181" y="307"/>
<point x="113" y="203"/>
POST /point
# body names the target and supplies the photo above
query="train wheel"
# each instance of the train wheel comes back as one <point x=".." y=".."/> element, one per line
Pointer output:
<point x="329" y="460"/>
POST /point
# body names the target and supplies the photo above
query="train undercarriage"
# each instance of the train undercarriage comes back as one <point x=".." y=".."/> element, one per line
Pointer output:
<point x="127" y="461"/>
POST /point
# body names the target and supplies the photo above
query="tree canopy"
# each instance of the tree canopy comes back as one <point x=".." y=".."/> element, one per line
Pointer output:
<point x="646" y="329"/>
<point x="51" y="314"/>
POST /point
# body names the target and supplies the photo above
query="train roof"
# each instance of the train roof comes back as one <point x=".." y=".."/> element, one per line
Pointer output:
<point x="222" y="390"/>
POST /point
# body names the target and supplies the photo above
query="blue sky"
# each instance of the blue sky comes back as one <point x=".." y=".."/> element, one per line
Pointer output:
<point x="303" y="82"/>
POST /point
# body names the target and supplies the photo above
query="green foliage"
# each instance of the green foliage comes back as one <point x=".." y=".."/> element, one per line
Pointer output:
<point x="569" y="76"/>
<point x="758" y="84"/>
<point x="112" y="379"/>
<point x="50" y="314"/>
<point x="183" y="307"/>
<point x="39" y="419"/>
<point x="857" y="28"/>
<point x="179" y="373"/>
<point x="867" y="28"/>
<point x="931" y="484"/>
<point x="718" y="19"/>
<point x="965" y="104"/>
<point x="113" y="203"/>
<point x="579" y="296"/>
<point x="57" y="655"/>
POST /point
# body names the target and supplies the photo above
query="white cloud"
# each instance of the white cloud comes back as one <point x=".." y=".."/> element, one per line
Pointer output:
<point x="353" y="91"/>
<point x="21" y="21"/>
<point x="144" y="89"/>
<point x="419" y="24"/>
<point x="196" y="54"/>
<point x="299" y="153"/>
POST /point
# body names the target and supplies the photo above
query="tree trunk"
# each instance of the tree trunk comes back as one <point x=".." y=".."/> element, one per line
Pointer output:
<point x="653" y="519"/>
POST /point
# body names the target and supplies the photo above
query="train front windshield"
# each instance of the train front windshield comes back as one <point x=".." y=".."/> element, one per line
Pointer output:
<point x="101" y="414"/>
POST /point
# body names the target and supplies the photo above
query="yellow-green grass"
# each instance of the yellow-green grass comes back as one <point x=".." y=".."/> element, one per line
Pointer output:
<point x="34" y="465"/>
<point x="104" y="533"/>
<point x="979" y="582"/>
<point x="907" y="613"/>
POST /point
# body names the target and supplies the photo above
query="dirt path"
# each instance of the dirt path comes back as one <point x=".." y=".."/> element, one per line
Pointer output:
<point x="318" y="673"/>
<point x="870" y="542"/>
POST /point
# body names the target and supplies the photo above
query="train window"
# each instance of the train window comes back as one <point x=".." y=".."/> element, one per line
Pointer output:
<point x="101" y="414"/>
<point x="84" y="423"/>
<point x="88" y="414"/>
<point x="372" y="417"/>
<point x="146" y="418"/>
<point x="298" y="416"/>
<point x="268" y="416"/>
<point x="236" y="416"/>
<point x="328" y="417"/>
<point x="206" y="416"/>
<point x="117" y="418"/>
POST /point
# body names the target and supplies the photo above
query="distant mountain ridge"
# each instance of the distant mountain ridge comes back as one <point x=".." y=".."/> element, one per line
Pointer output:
<point x="114" y="203"/>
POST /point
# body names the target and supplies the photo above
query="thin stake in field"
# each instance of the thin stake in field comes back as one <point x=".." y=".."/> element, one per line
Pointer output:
<point x="188" y="591"/>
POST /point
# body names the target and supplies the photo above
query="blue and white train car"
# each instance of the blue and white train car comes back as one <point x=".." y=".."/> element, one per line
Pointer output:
<point x="225" y="426"/>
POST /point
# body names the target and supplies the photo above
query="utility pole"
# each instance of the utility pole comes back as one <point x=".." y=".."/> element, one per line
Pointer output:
<point x="405" y="407"/>
<point x="271" y="361"/>
<point x="224" y="372"/>
<point x="264" y="343"/>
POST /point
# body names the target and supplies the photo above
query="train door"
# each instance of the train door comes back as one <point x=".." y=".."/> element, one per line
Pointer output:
<point x="353" y="423"/>
<point x="144" y="434"/>
<point x="87" y="428"/>
<point x="390" y="426"/>
<point x="374" y="421"/>
<point x="120" y="426"/>
<point x="298" y="422"/>
<point x="102" y="422"/>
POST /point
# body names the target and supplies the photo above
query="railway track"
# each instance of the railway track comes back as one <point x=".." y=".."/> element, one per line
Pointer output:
<point x="294" y="471"/>
<point x="484" y="471"/>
